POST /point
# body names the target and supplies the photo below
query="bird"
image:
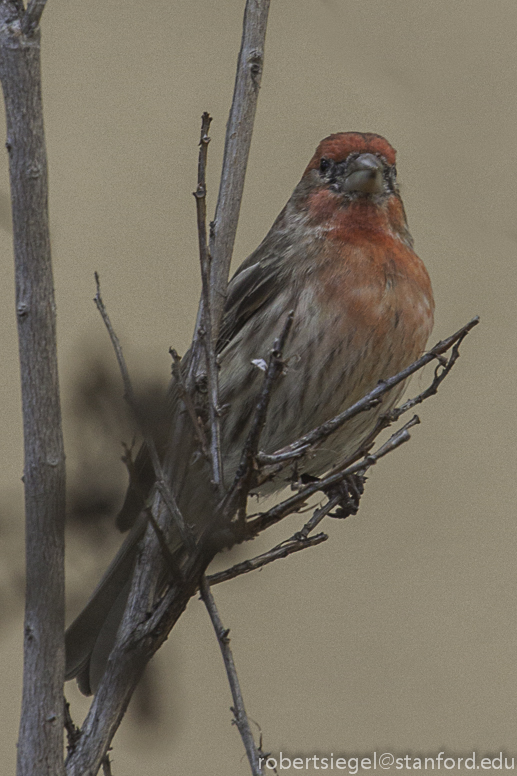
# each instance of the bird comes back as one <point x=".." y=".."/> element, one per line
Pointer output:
<point x="340" y="257"/>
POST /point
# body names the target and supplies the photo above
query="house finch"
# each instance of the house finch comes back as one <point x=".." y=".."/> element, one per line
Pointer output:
<point x="340" y="256"/>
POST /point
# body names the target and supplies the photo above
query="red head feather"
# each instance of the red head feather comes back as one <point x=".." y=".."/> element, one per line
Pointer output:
<point x="338" y="146"/>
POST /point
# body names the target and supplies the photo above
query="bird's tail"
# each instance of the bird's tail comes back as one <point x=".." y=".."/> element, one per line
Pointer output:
<point x="90" y="637"/>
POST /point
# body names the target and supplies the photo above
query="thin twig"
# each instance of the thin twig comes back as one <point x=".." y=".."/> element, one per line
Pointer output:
<point x="299" y="541"/>
<point x="316" y="518"/>
<point x="440" y="373"/>
<point x="304" y="443"/>
<point x="161" y="483"/>
<point x="128" y="388"/>
<point x="216" y="458"/>
<point x="280" y="551"/>
<point x="239" y="130"/>
<point x="239" y="711"/>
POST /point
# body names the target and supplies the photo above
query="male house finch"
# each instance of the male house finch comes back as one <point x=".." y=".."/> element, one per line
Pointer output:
<point x="340" y="256"/>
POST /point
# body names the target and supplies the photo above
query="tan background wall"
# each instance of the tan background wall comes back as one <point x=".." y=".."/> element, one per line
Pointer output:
<point x="399" y="633"/>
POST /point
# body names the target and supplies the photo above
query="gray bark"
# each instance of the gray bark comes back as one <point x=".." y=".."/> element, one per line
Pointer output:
<point x="236" y="150"/>
<point x="40" y="746"/>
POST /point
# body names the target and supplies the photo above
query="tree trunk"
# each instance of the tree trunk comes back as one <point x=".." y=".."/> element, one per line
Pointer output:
<point x="40" y="746"/>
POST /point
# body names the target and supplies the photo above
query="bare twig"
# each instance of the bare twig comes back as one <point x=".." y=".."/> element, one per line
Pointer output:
<point x="239" y="711"/>
<point x="440" y="373"/>
<point x="303" y="444"/>
<point x="316" y="518"/>
<point x="299" y="541"/>
<point x="129" y="395"/>
<point x="236" y="150"/>
<point x="280" y="551"/>
<point x="208" y="338"/>
<point x="40" y="743"/>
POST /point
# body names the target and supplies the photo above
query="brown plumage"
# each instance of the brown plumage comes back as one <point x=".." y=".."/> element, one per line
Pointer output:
<point x="341" y="256"/>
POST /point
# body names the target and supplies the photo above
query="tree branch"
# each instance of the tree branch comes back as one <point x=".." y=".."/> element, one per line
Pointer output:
<point x="299" y="541"/>
<point x="239" y="711"/>
<point x="440" y="373"/>
<point x="207" y="331"/>
<point x="236" y="150"/>
<point x="140" y="634"/>
<point x="280" y="551"/>
<point x="143" y="631"/>
<point x="40" y="744"/>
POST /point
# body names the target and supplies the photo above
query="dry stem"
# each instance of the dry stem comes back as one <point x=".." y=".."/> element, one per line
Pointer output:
<point x="239" y="711"/>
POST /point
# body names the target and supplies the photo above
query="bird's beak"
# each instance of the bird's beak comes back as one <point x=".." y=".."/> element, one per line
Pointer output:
<point x="364" y="175"/>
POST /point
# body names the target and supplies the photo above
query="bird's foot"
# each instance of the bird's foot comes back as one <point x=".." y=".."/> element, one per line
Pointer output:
<point x="349" y="491"/>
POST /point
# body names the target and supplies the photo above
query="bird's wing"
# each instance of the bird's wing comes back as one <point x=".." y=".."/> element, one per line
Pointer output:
<point x="248" y="291"/>
<point x="254" y="283"/>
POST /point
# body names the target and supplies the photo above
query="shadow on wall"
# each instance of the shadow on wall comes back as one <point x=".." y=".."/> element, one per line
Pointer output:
<point x="98" y="429"/>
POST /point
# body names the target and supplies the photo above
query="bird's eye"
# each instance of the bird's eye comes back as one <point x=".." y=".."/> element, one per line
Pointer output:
<point x="324" y="165"/>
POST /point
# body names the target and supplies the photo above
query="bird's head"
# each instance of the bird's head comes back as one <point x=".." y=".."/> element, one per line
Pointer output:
<point x="352" y="176"/>
<point x="355" y="165"/>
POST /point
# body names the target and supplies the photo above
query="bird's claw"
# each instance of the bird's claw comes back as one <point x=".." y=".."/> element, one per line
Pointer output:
<point x="349" y="490"/>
